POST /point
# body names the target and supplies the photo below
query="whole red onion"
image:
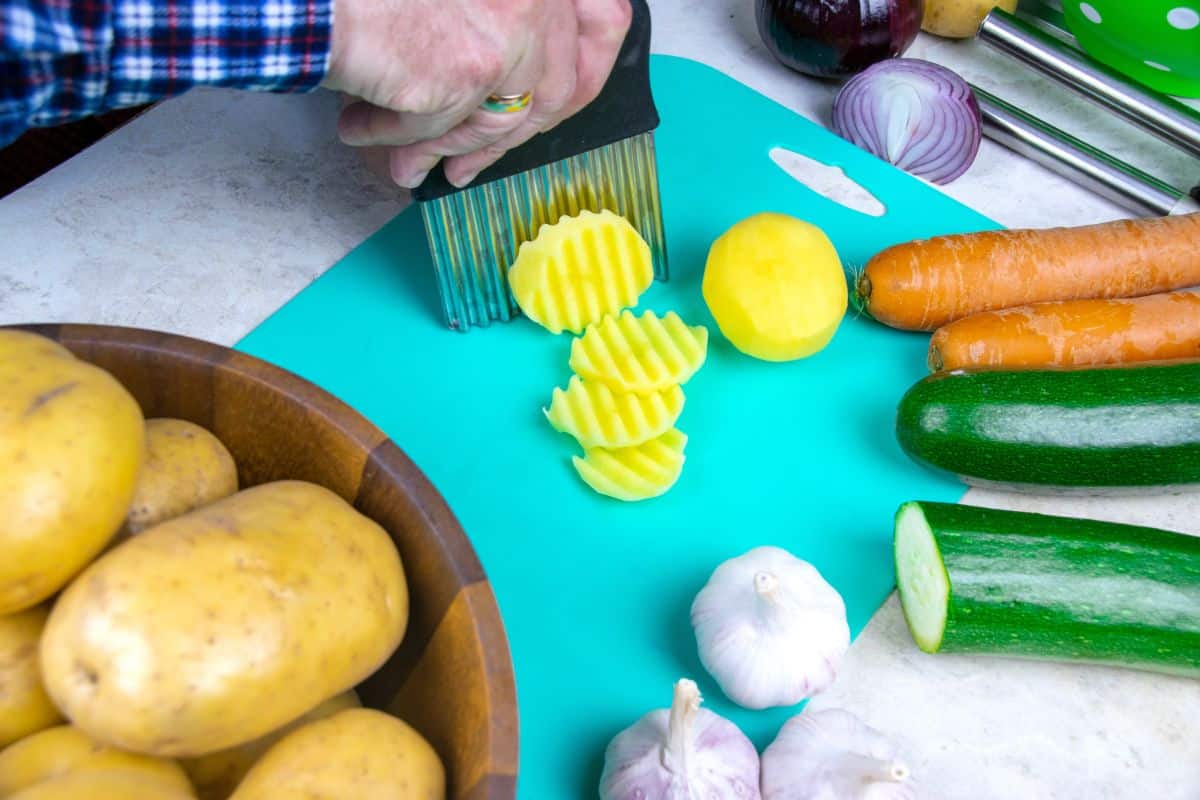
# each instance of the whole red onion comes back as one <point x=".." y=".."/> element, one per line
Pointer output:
<point x="831" y="38"/>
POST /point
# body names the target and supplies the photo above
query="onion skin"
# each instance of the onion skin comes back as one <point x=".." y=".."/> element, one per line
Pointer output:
<point x="836" y="38"/>
<point x="914" y="114"/>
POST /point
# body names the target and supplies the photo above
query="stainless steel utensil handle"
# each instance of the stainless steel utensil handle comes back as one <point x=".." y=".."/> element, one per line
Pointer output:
<point x="1163" y="116"/>
<point x="1059" y="151"/>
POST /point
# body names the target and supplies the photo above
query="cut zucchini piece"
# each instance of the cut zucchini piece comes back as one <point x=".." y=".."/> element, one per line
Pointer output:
<point x="921" y="578"/>
<point x="1013" y="583"/>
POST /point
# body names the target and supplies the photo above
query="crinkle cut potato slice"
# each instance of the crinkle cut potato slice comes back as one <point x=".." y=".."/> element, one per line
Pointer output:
<point x="597" y="416"/>
<point x="634" y="473"/>
<point x="577" y="270"/>
<point x="640" y="354"/>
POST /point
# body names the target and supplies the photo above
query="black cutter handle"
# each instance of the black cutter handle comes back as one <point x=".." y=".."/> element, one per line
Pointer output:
<point x="623" y="108"/>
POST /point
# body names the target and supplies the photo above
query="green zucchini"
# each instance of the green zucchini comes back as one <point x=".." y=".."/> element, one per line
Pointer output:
<point x="1012" y="583"/>
<point x="1078" y="430"/>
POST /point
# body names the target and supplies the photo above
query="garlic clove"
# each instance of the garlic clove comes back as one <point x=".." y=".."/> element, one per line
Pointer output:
<point x="832" y="755"/>
<point x="770" y="629"/>
<point x="682" y="753"/>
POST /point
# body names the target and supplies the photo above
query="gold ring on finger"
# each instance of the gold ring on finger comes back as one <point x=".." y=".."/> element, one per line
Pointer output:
<point x="507" y="103"/>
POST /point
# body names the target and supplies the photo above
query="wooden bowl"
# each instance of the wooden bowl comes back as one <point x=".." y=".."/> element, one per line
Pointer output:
<point x="452" y="677"/>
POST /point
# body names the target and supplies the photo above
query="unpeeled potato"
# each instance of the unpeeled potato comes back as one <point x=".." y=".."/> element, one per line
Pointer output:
<point x="66" y="750"/>
<point x="960" y="19"/>
<point x="72" y="440"/>
<point x="358" y="754"/>
<point x="105" y="786"/>
<point x="24" y="706"/>
<point x="186" y="467"/>
<point x="216" y="775"/>
<point x="215" y="628"/>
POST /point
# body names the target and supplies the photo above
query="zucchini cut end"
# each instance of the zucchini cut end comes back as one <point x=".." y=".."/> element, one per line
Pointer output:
<point x="921" y="578"/>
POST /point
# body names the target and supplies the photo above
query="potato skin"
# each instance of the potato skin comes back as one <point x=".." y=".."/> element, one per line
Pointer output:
<point x="71" y="445"/>
<point x="359" y="754"/>
<point x="24" y="706"/>
<point x="186" y="467"/>
<point x="66" y="750"/>
<point x="959" y="19"/>
<point x="103" y="786"/>
<point x="216" y="775"/>
<point x="217" y="627"/>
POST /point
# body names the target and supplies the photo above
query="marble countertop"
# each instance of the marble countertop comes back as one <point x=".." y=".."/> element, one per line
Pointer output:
<point x="210" y="211"/>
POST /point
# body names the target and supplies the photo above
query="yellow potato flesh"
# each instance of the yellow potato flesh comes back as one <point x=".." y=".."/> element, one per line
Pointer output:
<point x="359" y="754"/>
<point x="217" y="627"/>
<point x="599" y="417"/>
<point x="775" y="287"/>
<point x="216" y="775"/>
<point x="635" y="473"/>
<point x="646" y="353"/>
<point x="186" y="467"/>
<point x="66" y="750"/>
<point x="24" y="706"/>
<point x="580" y="268"/>
<point x="71" y="445"/>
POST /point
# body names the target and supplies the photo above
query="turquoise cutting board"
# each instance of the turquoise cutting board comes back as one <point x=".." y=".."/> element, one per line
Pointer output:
<point x="595" y="593"/>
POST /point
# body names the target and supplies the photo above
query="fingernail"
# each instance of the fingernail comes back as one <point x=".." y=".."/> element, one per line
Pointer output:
<point x="347" y="127"/>
<point x="412" y="181"/>
<point x="462" y="179"/>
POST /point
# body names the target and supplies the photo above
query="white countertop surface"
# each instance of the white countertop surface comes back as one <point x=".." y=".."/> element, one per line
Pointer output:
<point x="209" y="212"/>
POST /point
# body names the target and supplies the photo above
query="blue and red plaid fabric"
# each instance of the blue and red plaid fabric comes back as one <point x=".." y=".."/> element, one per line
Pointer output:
<point x="65" y="59"/>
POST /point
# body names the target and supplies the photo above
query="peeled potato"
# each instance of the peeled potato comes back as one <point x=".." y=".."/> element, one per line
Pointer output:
<point x="358" y="754"/>
<point x="186" y="467"/>
<point x="775" y="287"/>
<point x="640" y="354"/>
<point x="66" y="750"/>
<point x="579" y="269"/>
<point x="24" y="705"/>
<point x="960" y="19"/>
<point x="634" y="473"/>
<point x="599" y="417"/>
<point x="216" y="775"/>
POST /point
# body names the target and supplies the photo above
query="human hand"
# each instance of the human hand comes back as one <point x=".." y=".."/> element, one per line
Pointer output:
<point x="422" y="69"/>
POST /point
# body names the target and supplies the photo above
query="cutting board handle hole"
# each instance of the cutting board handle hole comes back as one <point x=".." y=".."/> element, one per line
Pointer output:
<point x="832" y="183"/>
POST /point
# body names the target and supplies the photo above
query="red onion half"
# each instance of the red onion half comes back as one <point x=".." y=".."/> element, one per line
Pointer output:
<point x="917" y="115"/>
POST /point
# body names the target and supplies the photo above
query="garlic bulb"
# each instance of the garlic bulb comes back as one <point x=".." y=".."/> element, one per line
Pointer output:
<point x="832" y="755"/>
<point x="770" y="629"/>
<point x="686" y="753"/>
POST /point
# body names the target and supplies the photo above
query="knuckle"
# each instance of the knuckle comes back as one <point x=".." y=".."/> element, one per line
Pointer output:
<point x="559" y="95"/>
<point x="619" y="16"/>
<point x="403" y="98"/>
<point x="588" y="88"/>
<point x="418" y="96"/>
<point x="483" y="69"/>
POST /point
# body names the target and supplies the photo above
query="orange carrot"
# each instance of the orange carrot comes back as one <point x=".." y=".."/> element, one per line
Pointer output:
<point x="1071" y="333"/>
<point x="922" y="285"/>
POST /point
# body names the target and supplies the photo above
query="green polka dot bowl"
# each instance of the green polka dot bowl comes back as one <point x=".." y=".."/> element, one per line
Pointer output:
<point x="1156" y="42"/>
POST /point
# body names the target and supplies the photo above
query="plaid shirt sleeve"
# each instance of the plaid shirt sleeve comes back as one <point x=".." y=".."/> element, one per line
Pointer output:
<point x="61" y="60"/>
